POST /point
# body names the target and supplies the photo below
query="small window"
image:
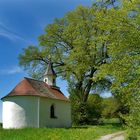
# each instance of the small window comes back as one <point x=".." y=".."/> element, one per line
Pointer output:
<point x="46" y="80"/>
<point x="52" y="111"/>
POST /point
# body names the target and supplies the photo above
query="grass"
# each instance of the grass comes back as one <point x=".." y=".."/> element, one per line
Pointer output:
<point x="74" y="133"/>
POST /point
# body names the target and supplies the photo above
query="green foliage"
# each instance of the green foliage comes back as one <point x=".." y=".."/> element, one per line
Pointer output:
<point x="94" y="104"/>
<point x="132" y="118"/>
<point x="67" y="40"/>
<point x="110" y="107"/>
<point x="79" y="110"/>
<point x="74" y="133"/>
<point x="115" y="121"/>
<point x="95" y="109"/>
<point x="33" y="60"/>
<point x="123" y="25"/>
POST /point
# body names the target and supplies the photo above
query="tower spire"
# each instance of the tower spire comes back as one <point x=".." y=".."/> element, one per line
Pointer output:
<point x="50" y="75"/>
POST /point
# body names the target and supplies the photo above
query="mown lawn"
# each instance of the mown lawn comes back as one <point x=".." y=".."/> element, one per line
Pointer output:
<point x="74" y="133"/>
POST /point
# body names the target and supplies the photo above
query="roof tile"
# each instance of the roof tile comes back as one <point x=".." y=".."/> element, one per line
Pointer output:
<point x="32" y="87"/>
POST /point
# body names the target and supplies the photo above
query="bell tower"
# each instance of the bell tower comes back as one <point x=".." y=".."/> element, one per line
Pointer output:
<point x="50" y="76"/>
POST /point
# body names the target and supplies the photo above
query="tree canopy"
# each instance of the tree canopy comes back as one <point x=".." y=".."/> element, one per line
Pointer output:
<point x="75" y="46"/>
<point x="124" y="51"/>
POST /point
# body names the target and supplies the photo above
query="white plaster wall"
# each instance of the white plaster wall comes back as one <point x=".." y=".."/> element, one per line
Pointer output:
<point x="49" y="79"/>
<point x="62" y="112"/>
<point x="20" y="111"/>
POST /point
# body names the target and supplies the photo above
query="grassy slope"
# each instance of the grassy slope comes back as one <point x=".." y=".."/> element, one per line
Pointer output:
<point x="75" y="133"/>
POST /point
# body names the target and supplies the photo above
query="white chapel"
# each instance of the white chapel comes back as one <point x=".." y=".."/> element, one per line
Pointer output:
<point x="34" y="103"/>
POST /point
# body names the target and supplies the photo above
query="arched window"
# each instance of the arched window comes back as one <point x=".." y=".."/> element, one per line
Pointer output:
<point x="53" y="81"/>
<point x="46" y="80"/>
<point x="52" y="111"/>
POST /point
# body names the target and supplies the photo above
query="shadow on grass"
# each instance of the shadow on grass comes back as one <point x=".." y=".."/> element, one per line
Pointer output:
<point x="79" y="127"/>
<point x="107" y="125"/>
<point x="112" y="124"/>
<point x="104" y="125"/>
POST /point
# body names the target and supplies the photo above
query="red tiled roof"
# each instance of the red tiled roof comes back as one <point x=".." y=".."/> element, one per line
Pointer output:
<point x="31" y="87"/>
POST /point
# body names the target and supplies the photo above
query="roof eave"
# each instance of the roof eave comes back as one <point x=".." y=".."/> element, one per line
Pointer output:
<point x="67" y="100"/>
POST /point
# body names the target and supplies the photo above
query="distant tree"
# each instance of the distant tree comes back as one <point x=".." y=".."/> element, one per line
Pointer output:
<point x="110" y="107"/>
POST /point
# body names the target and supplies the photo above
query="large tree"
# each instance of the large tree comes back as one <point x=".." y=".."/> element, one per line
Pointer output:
<point x="75" y="47"/>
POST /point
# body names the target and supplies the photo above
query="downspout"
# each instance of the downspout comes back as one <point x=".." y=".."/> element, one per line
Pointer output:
<point x="38" y="111"/>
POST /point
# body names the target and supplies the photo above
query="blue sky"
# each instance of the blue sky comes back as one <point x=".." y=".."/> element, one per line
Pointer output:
<point x="21" y="22"/>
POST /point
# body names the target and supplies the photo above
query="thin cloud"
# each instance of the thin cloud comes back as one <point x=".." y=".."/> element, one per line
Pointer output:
<point x="8" y="33"/>
<point x="11" y="71"/>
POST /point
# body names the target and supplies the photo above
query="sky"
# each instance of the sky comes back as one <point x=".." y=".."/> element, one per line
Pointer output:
<point x="21" y="22"/>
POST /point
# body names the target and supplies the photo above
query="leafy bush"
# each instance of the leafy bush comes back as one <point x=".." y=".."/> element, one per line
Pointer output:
<point x="94" y="106"/>
<point x="133" y="118"/>
<point x="110" y="107"/>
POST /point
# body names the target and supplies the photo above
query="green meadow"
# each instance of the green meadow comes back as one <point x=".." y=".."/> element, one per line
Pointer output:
<point x="74" y="133"/>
